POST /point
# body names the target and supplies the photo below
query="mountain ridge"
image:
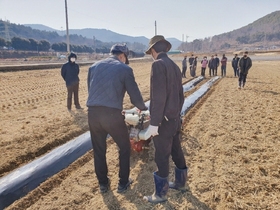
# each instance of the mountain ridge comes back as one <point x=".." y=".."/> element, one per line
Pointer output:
<point x="263" y="33"/>
<point x="104" y="35"/>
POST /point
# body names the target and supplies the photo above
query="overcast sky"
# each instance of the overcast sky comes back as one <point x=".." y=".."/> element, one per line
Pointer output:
<point x="175" y="18"/>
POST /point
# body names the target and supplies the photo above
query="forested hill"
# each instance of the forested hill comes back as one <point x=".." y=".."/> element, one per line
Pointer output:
<point x="263" y="33"/>
<point x="95" y="38"/>
<point x="8" y="31"/>
<point x="266" y="28"/>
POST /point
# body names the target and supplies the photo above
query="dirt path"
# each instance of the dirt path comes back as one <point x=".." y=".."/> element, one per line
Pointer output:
<point x="230" y="138"/>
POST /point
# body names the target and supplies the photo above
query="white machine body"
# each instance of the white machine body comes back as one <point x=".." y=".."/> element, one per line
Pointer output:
<point x="137" y="123"/>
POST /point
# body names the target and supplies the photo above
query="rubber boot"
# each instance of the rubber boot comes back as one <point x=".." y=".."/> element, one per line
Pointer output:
<point x="161" y="189"/>
<point x="180" y="179"/>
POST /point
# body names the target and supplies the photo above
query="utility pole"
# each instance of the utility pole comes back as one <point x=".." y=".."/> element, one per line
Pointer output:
<point x="67" y="31"/>
<point x="186" y="48"/>
<point x="7" y="34"/>
<point x="94" y="46"/>
<point x="155" y="27"/>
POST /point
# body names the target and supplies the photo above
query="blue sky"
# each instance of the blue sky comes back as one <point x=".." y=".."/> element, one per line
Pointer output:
<point x="175" y="18"/>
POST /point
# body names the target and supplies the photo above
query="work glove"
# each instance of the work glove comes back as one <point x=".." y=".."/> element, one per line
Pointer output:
<point x="152" y="130"/>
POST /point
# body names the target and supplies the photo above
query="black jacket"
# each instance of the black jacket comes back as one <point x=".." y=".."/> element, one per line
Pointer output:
<point x="70" y="73"/>
<point x="245" y="68"/>
<point x="234" y="62"/>
<point x="166" y="90"/>
<point x="216" y="62"/>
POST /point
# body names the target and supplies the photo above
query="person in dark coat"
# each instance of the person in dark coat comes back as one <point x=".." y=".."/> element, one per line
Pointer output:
<point x="224" y="66"/>
<point x="194" y="65"/>
<point x="70" y="73"/>
<point x="211" y="66"/>
<point x="245" y="63"/>
<point x="166" y="101"/>
<point x="234" y="64"/>
<point x="191" y="59"/>
<point x="216" y="64"/>
<point x="184" y="67"/>
<point x="108" y="81"/>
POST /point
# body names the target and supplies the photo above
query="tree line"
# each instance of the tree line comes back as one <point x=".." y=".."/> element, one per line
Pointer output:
<point x="18" y="43"/>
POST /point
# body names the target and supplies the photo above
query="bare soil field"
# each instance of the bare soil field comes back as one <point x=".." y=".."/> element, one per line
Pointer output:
<point x="231" y="141"/>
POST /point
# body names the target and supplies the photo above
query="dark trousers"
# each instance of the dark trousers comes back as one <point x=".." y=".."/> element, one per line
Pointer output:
<point x="73" y="89"/>
<point x="236" y="71"/>
<point x="203" y="71"/>
<point x="211" y="72"/>
<point x="167" y="143"/>
<point x="103" y="121"/>
<point x="184" y="71"/>
<point x="215" y="70"/>
<point x="223" y="71"/>
<point x="242" y="79"/>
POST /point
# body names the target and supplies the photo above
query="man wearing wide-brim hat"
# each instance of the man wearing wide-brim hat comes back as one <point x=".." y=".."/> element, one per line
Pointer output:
<point x="166" y="101"/>
<point x="156" y="39"/>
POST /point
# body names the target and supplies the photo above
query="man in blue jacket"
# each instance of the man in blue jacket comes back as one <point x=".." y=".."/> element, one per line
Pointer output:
<point x="108" y="81"/>
<point x="70" y="73"/>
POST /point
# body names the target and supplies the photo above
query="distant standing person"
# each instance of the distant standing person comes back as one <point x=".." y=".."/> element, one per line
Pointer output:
<point x="223" y="65"/>
<point x="216" y="64"/>
<point x="166" y="101"/>
<point x="234" y="64"/>
<point x="184" y="67"/>
<point x="204" y="63"/>
<point x="108" y="81"/>
<point x="211" y="66"/>
<point x="70" y="73"/>
<point x="193" y="70"/>
<point x="191" y="59"/>
<point x="245" y="63"/>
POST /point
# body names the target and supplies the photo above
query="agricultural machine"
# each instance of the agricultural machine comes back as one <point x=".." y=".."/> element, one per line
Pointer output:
<point x="137" y="125"/>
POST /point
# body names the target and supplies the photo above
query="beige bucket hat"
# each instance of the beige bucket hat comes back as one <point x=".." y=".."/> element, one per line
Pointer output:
<point x="156" y="39"/>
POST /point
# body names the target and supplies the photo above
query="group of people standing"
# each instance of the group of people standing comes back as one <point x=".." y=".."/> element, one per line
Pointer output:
<point x="108" y="80"/>
<point x="192" y="63"/>
<point x="240" y="66"/>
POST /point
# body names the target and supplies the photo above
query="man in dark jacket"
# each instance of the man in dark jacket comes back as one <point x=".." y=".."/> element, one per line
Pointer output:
<point x="191" y="59"/>
<point x="234" y="64"/>
<point x="245" y="63"/>
<point x="108" y="81"/>
<point x="211" y="66"/>
<point x="223" y="65"/>
<point x="166" y="101"/>
<point x="216" y="63"/>
<point x="70" y="73"/>
<point x="184" y="67"/>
